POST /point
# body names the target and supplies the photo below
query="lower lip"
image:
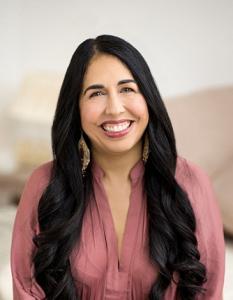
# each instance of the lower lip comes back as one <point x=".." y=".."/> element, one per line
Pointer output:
<point x="118" y="134"/>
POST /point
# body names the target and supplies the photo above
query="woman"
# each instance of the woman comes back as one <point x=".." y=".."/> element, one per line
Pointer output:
<point x="117" y="214"/>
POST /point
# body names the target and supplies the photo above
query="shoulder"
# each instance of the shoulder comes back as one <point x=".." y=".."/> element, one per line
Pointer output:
<point x="40" y="176"/>
<point x="42" y="171"/>
<point x="192" y="177"/>
<point x="186" y="167"/>
<point x="34" y="186"/>
<point x="197" y="183"/>
<point x="199" y="187"/>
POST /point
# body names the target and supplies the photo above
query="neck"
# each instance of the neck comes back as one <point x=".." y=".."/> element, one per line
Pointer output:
<point x="117" y="166"/>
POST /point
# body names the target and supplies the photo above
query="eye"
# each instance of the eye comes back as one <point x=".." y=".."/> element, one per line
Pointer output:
<point x="95" y="94"/>
<point x="127" y="89"/>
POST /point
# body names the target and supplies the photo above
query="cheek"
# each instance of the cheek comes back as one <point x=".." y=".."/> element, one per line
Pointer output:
<point x="139" y="109"/>
<point x="89" y="115"/>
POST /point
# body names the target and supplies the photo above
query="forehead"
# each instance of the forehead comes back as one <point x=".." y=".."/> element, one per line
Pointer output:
<point x="105" y="68"/>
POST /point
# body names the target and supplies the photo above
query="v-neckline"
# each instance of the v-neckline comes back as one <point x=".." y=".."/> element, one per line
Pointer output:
<point x="122" y="258"/>
<point x="118" y="252"/>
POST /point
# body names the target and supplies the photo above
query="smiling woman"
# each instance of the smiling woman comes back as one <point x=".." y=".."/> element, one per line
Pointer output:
<point x="117" y="214"/>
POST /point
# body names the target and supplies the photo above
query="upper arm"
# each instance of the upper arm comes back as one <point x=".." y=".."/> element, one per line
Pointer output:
<point x="209" y="231"/>
<point x="24" y="229"/>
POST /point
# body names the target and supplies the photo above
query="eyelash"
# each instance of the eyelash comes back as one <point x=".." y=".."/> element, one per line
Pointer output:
<point x="93" y="94"/>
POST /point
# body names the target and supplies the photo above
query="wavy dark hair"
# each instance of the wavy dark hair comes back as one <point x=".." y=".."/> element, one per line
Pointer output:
<point x="172" y="223"/>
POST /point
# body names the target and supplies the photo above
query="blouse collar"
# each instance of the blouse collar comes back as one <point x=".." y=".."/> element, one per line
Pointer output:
<point x="136" y="171"/>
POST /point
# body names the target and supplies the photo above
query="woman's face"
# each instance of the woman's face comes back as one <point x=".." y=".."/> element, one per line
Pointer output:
<point x="113" y="114"/>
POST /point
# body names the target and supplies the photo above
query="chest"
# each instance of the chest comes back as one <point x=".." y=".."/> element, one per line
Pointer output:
<point x="118" y="199"/>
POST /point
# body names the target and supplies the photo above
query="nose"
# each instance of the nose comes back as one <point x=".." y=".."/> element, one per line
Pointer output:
<point x="114" y="104"/>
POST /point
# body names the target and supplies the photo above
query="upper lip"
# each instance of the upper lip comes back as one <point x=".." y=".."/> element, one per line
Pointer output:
<point x="116" y="121"/>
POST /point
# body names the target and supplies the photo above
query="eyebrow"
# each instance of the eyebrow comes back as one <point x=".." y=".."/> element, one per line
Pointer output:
<point x="100" y="86"/>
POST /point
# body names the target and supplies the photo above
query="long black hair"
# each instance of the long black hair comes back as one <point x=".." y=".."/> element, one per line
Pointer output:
<point x="171" y="219"/>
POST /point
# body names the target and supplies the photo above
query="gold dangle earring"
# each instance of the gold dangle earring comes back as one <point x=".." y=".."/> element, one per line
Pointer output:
<point x="84" y="153"/>
<point x="145" y="152"/>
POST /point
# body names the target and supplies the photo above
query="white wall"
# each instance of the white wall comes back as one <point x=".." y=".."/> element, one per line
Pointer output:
<point x="187" y="44"/>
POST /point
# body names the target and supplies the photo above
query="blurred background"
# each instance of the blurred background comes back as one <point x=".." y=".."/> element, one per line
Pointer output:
<point x="188" y="46"/>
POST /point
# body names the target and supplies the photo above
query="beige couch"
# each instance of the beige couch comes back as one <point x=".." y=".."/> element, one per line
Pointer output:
<point x="203" y="124"/>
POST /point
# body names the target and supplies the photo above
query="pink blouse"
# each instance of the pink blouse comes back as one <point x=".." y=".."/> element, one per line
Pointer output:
<point x="95" y="266"/>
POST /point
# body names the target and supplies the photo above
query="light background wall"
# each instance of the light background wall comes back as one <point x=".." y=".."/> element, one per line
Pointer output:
<point x="188" y="44"/>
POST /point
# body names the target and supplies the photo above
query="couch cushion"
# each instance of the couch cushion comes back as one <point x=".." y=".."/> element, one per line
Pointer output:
<point x="203" y="125"/>
<point x="223" y="187"/>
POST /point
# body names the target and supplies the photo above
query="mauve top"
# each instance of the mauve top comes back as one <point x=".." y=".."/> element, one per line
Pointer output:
<point x="95" y="266"/>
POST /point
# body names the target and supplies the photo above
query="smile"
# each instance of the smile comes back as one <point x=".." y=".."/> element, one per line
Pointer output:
<point x="117" y="130"/>
<point x="116" y="127"/>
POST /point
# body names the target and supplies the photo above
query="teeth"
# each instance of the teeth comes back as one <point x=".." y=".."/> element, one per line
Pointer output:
<point x="116" y="128"/>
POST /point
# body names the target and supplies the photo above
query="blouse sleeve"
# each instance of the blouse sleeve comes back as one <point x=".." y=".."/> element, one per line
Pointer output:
<point x="209" y="233"/>
<point x="22" y="247"/>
